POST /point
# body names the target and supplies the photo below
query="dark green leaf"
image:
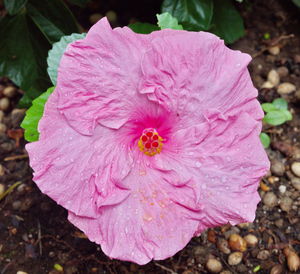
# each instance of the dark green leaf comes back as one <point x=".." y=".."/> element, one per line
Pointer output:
<point x="192" y="14"/>
<point x="267" y="107"/>
<point x="14" y="6"/>
<point x="265" y="139"/>
<point x="275" y="118"/>
<point x="80" y="3"/>
<point x="33" y="116"/>
<point x="144" y="28"/>
<point x="22" y="51"/>
<point x="167" y="21"/>
<point x="52" y="17"/>
<point x="280" y="103"/>
<point x="227" y="22"/>
<point x="296" y="2"/>
<point x="57" y="51"/>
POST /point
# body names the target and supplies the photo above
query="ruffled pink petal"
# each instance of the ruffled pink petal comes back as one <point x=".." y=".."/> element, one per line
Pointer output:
<point x="154" y="222"/>
<point x="98" y="78"/>
<point x="78" y="172"/>
<point x="190" y="72"/>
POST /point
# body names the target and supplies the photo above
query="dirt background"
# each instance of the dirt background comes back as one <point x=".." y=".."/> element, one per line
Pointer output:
<point x="34" y="231"/>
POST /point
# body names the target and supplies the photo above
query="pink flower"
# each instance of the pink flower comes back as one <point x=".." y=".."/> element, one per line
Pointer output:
<point x="148" y="140"/>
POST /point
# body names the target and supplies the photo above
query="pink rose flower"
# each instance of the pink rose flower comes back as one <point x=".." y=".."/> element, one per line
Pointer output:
<point x="148" y="140"/>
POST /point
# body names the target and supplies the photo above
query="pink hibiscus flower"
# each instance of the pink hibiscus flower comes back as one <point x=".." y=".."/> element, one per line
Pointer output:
<point x="148" y="140"/>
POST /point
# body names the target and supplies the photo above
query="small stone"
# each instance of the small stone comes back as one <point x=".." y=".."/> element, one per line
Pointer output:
<point x="282" y="189"/>
<point x="275" y="50"/>
<point x="17" y="116"/>
<point x="223" y="246"/>
<point x="277" y="168"/>
<point x="21" y="272"/>
<point x="293" y="260"/>
<point x="2" y="189"/>
<point x="297" y="58"/>
<point x="3" y="128"/>
<point x="214" y="266"/>
<point x="286" y="88"/>
<point x="270" y="199"/>
<point x="277" y="269"/>
<point x="2" y="170"/>
<point x="283" y="71"/>
<point x="273" y="77"/>
<point x="16" y="205"/>
<point x="1" y="116"/>
<point x="296" y="168"/>
<point x="263" y="255"/>
<point x="267" y="84"/>
<point x="286" y="203"/>
<point x="279" y="223"/>
<point x="235" y="258"/>
<point x="95" y="17"/>
<point x="251" y="240"/>
<point x="226" y="272"/>
<point x="296" y="183"/>
<point x="237" y="243"/>
<point x="4" y="104"/>
<point x="10" y="91"/>
<point x="21" y="188"/>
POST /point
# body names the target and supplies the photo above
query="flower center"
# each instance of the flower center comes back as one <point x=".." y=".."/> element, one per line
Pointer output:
<point x="150" y="142"/>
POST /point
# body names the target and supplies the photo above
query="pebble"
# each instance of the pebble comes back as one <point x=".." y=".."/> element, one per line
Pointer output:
<point x="3" y="128"/>
<point x="286" y="88"/>
<point x="2" y="189"/>
<point x="2" y="170"/>
<point x="4" y="104"/>
<point x="235" y="258"/>
<point x="1" y="116"/>
<point x="263" y="255"/>
<point x="283" y="71"/>
<point x="273" y="77"/>
<point x="21" y="272"/>
<point x="277" y="168"/>
<point x="296" y="168"/>
<point x="267" y="84"/>
<point x="286" y="203"/>
<point x="270" y="199"/>
<point x="275" y="50"/>
<point x="21" y="188"/>
<point x="237" y="243"/>
<point x="282" y="189"/>
<point x="17" y="116"/>
<point x="214" y="266"/>
<point x="277" y="269"/>
<point x="279" y="223"/>
<point x="251" y="240"/>
<point x="226" y="272"/>
<point x="16" y="205"/>
<point x="296" y="183"/>
<point x="223" y="246"/>
<point x="10" y="91"/>
<point x="293" y="260"/>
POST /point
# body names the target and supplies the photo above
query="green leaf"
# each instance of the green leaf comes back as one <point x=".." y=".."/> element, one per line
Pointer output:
<point x="22" y="52"/>
<point x="296" y="2"/>
<point x="192" y="14"/>
<point x="287" y="114"/>
<point x="267" y="107"/>
<point x="167" y="21"/>
<point x="52" y="17"/>
<point x="33" y="116"/>
<point x="280" y="103"/>
<point x="265" y="139"/>
<point x="14" y="6"/>
<point x="57" y="51"/>
<point x="227" y="22"/>
<point x="143" y="28"/>
<point x="275" y="118"/>
<point x="80" y="3"/>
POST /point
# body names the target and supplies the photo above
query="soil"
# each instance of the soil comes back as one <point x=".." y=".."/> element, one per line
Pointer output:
<point x="35" y="236"/>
